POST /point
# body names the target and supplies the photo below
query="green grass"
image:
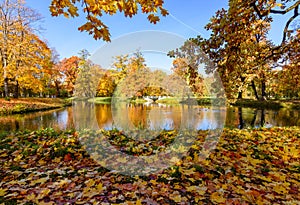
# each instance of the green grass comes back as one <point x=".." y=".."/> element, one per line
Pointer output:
<point x="100" y="100"/>
<point x="169" y="100"/>
<point x="138" y="100"/>
<point x="269" y="104"/>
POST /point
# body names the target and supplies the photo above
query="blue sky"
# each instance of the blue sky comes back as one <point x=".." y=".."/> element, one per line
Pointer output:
<point x="186" y="19"/>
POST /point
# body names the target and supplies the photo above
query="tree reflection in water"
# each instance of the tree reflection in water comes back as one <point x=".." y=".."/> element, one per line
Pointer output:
<point x="153" y="116"/>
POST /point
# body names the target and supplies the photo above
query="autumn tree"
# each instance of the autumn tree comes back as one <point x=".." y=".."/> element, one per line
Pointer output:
<point x="120" y="67"/>
<point x="136" y="76"/>
<point x="94" y="10"/>
<point x="238" y="45"/>
<point x="188" y="60"/>
<point x="106" y="85"/>
<point x="88" y="77"/>
<point x="156" y="86"/>
<point x="22" y="52"/>
<point x="289" y="76"/>
<point x="53" y="77"/>
<point x="32" y="65"/>
<point x="69" y="68"/>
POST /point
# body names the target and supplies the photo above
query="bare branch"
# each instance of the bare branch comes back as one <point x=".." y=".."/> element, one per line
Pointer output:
<point x="287" y="10"/>
<point x="286" y="28"/>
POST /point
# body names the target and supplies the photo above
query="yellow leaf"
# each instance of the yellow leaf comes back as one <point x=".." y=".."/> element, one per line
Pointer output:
<point x="18" y="158"/>
<point x="57" y="160"/>
<point x="199" y="198"/>
<point x="3" y="192"/>
<point x="43" y="193"/>
<point x="41" y="180"/>
<point x="154" y="182"/>
<point x="31" y="197"/>
<point x="177" y="198"/>
<point x="138" y="202"/>
<point x="216" y="197"/>
<point x="189" y="171"/>
<point x="100" y="187"/>
<point x="42" y="162"/>
<point x="4" y="155"/>
<point x="280" y="189"/>
<point x="174" y="160"/>
<point x="90" y="183"/>
<point x="192" y="188"/>
<point x="279" y="4"/>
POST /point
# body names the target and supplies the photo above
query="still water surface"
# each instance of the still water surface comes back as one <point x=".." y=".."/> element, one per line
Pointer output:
<point x="153" y="116"/>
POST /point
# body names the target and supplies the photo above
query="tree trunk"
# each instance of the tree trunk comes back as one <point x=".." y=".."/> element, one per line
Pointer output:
<point x="240" y="96"/>
<point x="57" y="89"/>
<point x="6" y="94"/>
<point x="254" y="90"/>
<point x="16" y="92"/>
<point x="263" y="90"/>
<point x="5" y="78"/>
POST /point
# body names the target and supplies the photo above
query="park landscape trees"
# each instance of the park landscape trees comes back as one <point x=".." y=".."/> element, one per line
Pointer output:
<point x="260" y="166"/>
<point x="239" y="46"/>
<point x="238" y="49"/>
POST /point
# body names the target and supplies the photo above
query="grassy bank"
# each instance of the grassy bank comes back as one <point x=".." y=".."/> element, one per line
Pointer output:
<point x="259" y="166"/>
<point x="269" y="104"/>
<point x="25" y="105"/>
<point x="169" y="100"/>
<point x="100" y="100"/>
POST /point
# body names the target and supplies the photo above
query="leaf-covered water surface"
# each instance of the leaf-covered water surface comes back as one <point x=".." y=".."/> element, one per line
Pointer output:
<point x="259" y="166"/>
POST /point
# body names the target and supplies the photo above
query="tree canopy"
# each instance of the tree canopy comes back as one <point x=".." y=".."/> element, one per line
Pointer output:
<point x="239" y="45"/>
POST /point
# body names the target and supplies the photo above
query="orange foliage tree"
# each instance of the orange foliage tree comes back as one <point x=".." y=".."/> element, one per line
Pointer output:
<point x="69" y="69"/>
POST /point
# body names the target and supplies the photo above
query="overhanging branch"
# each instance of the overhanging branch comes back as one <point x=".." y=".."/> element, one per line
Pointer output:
<point x="294" y="7"/>
<point x="286" y="28"/>
<point x="287" y="10"/>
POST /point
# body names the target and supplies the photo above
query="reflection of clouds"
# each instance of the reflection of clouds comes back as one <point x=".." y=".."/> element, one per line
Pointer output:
<point x="62" y="118"/>
<point x="59" y="119"/>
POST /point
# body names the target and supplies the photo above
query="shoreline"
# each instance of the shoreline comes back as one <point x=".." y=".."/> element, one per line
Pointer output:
<point x="29" y="105"/>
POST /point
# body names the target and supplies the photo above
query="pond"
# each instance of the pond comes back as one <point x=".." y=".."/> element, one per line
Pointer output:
<point x="151" y="116"/>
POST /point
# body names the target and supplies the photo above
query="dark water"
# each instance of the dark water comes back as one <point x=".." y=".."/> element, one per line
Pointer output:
<point x="150" y="117"/>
